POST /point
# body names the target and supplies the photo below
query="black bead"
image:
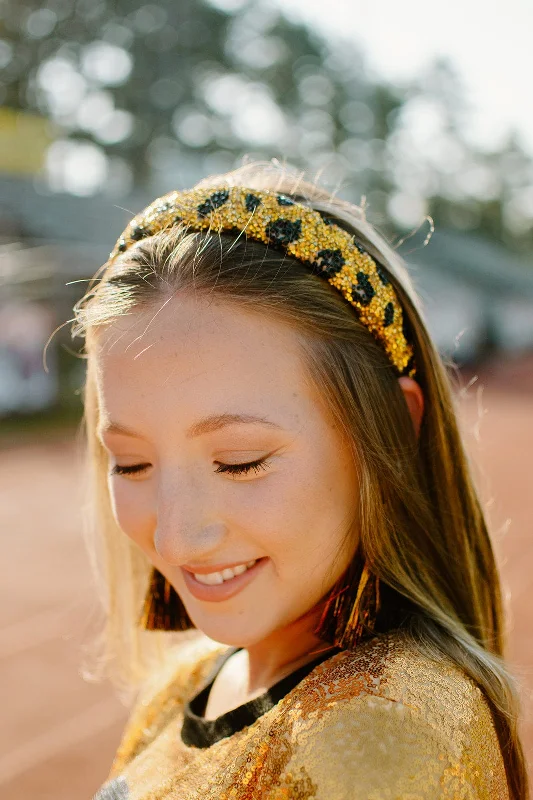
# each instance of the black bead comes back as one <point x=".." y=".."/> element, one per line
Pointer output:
<point x="382" y="276"/>
<point x="331" y="261"/>
<point x="283" y="200"/>
<point x="216" y="200"/>
<point x="283" y="231"/>
<point x="327" y="220"/>
<point x="405" y="328"/>
<point x="358" y="246"/>
<point x="252" y="201"/>
<point x="122" y="246"/>
<point x="138" y="232"/>
<point x="388" y="318"/>
<point x="363" y="289"/>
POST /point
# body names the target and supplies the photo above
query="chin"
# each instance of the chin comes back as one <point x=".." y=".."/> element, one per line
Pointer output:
<point x="231" y="631"/>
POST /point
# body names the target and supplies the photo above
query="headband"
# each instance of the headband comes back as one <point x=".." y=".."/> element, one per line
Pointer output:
<point x="276" y="220"/>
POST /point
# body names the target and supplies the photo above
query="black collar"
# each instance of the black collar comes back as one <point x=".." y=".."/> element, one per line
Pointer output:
<point x="200" y="732"/>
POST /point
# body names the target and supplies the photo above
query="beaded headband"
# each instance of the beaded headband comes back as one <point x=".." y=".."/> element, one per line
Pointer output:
<point x="276" y="220"/>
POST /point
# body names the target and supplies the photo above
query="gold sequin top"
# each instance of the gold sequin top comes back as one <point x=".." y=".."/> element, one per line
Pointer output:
<point x="384" y="723"/>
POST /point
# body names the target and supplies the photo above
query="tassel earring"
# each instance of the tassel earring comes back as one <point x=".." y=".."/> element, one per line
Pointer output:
<point x="346" y="618"/>
<point x="163" y="608"/>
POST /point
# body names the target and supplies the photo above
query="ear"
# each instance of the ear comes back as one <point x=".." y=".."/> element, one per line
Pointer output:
<point x="414" y="399"/>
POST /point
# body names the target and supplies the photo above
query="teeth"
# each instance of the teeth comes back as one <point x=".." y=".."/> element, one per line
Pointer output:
<point x="215" y="578"/>
<point x="229" y="573"/>
<point x="211" y="579"/>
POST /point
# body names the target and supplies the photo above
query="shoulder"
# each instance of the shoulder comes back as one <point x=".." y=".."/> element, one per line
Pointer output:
<point x="183" y="668"/>
<point x="183" y="665"/>
<point x="394" y="722"/>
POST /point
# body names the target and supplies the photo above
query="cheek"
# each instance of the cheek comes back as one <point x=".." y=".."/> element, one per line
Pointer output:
<point x="132" y="509"/>
<point x="301" y="521"/>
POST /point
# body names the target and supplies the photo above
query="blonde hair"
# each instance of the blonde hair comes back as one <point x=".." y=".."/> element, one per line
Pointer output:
<point x="421" y="524"/>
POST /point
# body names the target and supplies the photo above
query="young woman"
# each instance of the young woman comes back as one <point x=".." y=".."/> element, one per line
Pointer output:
<point x="277" y="467"/>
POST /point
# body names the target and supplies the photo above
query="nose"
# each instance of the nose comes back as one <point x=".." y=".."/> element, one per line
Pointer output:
<point x="177" y="546"/>
<point x="188" y="527"/>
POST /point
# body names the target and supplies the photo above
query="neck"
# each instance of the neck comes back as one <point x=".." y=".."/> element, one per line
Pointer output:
<point x="282" y="652"/>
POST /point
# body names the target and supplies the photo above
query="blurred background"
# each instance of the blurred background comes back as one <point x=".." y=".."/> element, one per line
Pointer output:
<point x="107" y="105"/>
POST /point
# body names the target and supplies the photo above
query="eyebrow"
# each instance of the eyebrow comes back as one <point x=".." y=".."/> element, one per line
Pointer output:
<point x="209" y="424"/>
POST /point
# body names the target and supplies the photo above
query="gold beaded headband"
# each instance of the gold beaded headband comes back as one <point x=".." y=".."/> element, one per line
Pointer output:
<point x="276" y="220"/>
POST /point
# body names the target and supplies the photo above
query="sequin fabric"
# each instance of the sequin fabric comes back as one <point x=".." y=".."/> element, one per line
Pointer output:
<point x="384" y="723"/>
<point x="277" y="220"/>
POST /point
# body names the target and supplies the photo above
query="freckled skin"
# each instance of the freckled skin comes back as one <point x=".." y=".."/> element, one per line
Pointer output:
<point x="161" y="370"/>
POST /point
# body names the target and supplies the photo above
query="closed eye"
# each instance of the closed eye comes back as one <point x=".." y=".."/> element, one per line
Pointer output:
<point x="233" y="469"/>
<point x="243" y="469"/>
<point x="133" y="469"/>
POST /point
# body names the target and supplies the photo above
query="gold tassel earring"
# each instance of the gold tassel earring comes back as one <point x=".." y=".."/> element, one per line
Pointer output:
<point x="345" y="619"/>
<point x="163" y="609"/>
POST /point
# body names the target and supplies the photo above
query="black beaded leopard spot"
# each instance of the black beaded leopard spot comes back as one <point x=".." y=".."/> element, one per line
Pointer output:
<point x="331" y="261"/>
<point x="252" y="201"/>
<point x="411" y="365"/>
<point x="358" y="246"/>
<point x="283" y="231"/>
<point x="138" y="232"/>
<point x="388" y="317"/>
<point x="363" y="289"/>
<point x="216" y="200"/>
<point x="381" y="275"/>
<point x="122" y="245"/>
<point x="326" y="219"/>
<point x="283" y="200"/>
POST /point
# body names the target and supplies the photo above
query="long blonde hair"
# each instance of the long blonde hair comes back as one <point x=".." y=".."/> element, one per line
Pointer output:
<point x="422" y="526"/>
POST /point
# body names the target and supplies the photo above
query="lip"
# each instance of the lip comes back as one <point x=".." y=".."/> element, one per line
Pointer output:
<point x="221" y="591"/>
<point x="214" y="567"/>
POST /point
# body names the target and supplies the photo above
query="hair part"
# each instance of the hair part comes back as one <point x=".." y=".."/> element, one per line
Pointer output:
<point x="421" y="525"/>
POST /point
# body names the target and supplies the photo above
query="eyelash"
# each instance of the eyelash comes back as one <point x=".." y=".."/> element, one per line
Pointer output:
<point x="232" y="469"/>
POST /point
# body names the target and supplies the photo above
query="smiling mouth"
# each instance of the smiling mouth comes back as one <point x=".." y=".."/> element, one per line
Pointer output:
<point x="216" y="578"/>
<point x="224" y="584"/>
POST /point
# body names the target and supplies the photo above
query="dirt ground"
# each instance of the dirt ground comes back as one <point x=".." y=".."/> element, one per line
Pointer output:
<point x="60" y="731"/>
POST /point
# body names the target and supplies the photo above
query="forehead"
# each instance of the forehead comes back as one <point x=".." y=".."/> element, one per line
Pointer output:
<point x="190" y="351"/>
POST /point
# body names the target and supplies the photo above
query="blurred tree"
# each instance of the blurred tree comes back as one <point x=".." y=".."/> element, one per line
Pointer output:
<point x="154" y="95"/>
<point x="436" y="168"/>
<point x="146" y="94"/>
